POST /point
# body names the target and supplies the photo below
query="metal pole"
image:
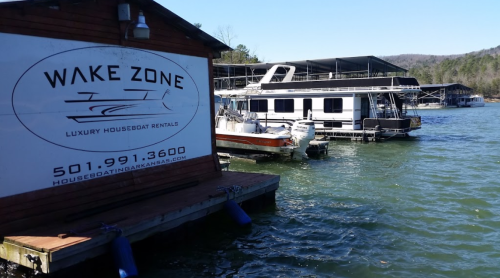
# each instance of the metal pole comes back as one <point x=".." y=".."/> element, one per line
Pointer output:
<point x="369" y="68"/>
<point x="307" y="71"/>
<point x="336" y="70"/>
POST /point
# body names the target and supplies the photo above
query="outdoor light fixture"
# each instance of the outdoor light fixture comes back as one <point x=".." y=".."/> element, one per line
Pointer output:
<point x="141" y="30"/>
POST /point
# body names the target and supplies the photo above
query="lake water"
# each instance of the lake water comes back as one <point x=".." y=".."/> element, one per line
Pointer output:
<point x="424" y="206"/>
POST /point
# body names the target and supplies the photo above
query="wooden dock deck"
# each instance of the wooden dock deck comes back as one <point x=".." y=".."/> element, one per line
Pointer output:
<point x="57" y="245"/>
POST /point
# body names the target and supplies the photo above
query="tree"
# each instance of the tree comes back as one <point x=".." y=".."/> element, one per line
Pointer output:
<point x="239" y="55"/>
<point x="225" y="34"/>
<point x="479" y="70"/>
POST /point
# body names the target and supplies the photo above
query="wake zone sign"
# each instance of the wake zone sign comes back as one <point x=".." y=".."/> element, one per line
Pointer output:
<point x="74" y="111"/>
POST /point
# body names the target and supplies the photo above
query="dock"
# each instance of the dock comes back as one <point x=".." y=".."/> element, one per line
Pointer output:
<point x="57" y="245"/>
<point x="354" y="135"/>
<point x="316" y="147"/>
<point x="119" y="172"/>
<point x="249" y="158"/>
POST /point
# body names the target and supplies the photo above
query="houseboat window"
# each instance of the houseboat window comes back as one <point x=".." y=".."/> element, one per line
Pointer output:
<point x="332" y="124"/>
<point x="258" y="105"/>
<point x="242" y="105"/>
<point x="283" y="105"/>
<point x="332" y="105"/>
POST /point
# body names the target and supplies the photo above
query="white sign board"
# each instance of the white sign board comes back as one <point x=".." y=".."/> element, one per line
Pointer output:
<point x="72" y="111"/>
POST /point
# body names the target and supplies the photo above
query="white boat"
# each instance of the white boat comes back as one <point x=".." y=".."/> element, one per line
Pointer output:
<point x="471" y="101"/>
<point x="431" y="105"/>
<point x="244" y="133"/>
<point x="340" y="107"/>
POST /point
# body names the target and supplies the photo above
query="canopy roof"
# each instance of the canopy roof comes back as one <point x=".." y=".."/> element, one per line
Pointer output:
<point x="362" y="66"/>
<point x="449" y="86"/>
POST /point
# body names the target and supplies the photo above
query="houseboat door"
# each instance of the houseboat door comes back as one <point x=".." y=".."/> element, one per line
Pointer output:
<point x="306" y="106"/>
<point x="365" y="109"/>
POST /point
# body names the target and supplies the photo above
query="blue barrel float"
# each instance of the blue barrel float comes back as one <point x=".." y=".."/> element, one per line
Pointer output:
<point x="237" y="213"/>
<point x="233" y="209"/>
<point x="122" y="255"/>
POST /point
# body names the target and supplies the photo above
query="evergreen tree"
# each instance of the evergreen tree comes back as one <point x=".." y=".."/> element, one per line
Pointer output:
<point x="479" y="70"/>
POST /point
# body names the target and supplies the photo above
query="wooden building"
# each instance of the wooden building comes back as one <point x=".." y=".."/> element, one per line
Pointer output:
<point x="102" y="126"/>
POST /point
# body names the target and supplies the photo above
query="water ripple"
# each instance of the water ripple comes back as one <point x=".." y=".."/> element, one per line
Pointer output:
<point x="424" y="207"/>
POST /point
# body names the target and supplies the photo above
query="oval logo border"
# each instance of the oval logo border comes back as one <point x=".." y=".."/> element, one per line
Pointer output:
<point x="109" y="151"/>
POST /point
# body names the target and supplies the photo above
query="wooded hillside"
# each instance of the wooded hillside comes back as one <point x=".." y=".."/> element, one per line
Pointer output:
<point x="479" y="70"/>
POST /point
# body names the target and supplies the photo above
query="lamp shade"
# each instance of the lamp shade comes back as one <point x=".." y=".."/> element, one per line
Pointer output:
<point x="141" y="33"/>
<point x="141" y="30"/>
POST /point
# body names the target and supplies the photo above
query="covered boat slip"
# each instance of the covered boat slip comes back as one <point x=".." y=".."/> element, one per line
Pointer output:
<point x="53" y="245"/>
<point x="441" y="95"/>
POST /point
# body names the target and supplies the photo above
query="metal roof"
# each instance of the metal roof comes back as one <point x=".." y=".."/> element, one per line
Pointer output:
<point x="454" y="86"/>
<point x="369" y="65"/>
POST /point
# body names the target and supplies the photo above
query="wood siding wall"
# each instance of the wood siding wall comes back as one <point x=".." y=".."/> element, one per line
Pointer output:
<point x="97" y="21"/>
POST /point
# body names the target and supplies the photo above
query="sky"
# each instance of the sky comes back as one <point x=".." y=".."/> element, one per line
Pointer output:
<point x="278" y="30"/>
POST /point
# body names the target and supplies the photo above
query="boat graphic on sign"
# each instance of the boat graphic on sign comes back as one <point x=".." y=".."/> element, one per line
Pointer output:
<point x="104" y="109"/>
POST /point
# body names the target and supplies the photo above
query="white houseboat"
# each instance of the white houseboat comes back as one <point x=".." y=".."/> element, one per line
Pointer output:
<point x="367" y="108"/>
<point x="471" y="101"/>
